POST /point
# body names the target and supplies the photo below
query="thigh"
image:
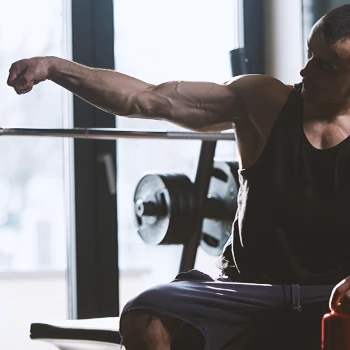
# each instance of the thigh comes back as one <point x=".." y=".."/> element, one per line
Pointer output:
<point x="218" y="310"/>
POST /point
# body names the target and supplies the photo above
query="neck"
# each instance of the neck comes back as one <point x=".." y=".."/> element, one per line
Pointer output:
<point x="327" y="112"/>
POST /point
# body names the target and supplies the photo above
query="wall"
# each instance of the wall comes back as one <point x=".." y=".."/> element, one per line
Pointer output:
<point x="27" y="298"/>
<point x="283" y="39"/>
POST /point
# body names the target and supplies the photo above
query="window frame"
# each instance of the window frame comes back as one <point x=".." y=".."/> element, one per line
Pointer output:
<point x="94" y="276"/>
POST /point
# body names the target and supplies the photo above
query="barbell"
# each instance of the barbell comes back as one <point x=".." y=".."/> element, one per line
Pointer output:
<point x="111" y="134"/>
<point x="165" y="205"/>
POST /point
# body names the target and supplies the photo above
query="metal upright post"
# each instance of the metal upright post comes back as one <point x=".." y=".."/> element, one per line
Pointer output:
<point x="204" y="170"/>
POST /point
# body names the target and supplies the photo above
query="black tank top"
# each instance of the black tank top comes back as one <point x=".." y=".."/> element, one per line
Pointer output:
<point x="293" y="219"/>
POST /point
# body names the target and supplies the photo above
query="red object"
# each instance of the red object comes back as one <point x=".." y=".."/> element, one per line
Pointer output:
<point x="336" y="331"/>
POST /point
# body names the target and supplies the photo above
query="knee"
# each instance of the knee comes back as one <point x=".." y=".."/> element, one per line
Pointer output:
<point x="144" y="330"/>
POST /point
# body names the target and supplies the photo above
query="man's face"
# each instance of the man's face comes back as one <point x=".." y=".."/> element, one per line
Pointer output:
<point x="327" y="72"/>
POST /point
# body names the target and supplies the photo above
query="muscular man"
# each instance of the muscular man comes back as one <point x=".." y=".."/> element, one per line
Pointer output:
<point x="289" y="253"/>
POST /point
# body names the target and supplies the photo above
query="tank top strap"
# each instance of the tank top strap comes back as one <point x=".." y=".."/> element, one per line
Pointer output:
<point x="293" y="108"/>
<point x="287" y="125"/>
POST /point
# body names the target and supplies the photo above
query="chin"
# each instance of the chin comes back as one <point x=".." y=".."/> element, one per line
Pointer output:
<point x="319" y="96"/>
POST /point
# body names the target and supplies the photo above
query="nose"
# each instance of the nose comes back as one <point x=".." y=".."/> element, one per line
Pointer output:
<point x="309" y="70"/>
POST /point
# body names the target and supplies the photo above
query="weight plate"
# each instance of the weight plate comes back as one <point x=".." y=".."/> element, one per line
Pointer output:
<point x="165" y="208"/>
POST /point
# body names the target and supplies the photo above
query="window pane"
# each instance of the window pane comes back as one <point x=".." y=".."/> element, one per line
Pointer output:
<point x="33" y="228"/>
<point x="158" y="41"/>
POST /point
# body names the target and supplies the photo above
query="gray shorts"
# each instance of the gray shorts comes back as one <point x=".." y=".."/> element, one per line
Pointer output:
<point x="230" y="314"/>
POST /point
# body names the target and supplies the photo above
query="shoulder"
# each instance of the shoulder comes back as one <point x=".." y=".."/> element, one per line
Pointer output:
<point x="258" y="85"/>
<point x="263" y="96"/>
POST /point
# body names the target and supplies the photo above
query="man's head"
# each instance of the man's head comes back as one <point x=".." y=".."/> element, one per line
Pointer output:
<point x="327" y="72"/>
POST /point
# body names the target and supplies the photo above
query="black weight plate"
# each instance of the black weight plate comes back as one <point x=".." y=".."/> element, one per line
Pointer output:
<point x="170" y="236"/>
<point x="172" y="222"/>
<point x="181" y="190"/>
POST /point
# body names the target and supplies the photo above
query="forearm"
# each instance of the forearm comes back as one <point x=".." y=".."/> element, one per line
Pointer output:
<point x="110" y="91"/>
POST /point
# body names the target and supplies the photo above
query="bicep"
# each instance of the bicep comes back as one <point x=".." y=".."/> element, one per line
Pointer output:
<point x="199" y="106"/>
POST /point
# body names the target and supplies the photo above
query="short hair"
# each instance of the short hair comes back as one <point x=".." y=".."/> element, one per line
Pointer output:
<point x="336" y="24"/>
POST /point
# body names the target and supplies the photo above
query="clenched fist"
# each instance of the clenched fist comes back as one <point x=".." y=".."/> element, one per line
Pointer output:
<point x="24" y="74"/>
<point x="340" y="297"/>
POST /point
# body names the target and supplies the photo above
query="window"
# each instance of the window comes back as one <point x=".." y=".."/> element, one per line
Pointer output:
<point x="33" y="227"/>
<point x="159" y="41"/>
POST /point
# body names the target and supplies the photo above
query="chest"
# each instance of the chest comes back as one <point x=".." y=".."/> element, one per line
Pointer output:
<point x="325" y="134"/>
<point x="314" y="186"/>
<point x="295" y="171"/>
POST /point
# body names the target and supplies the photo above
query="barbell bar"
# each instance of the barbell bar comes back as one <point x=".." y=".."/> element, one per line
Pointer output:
<point x="111" y="134"/>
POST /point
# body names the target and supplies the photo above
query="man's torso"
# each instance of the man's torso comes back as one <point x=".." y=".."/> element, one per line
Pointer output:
<point x="293" y="203"/>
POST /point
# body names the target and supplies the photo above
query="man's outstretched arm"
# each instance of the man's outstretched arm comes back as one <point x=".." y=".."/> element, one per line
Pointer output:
<point x="200" y="106"/>
<point x="193" y="105"/>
